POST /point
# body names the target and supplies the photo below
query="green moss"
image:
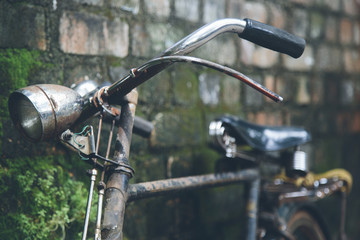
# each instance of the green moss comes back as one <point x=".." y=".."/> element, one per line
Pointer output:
<point x="15" y="67"/>
<point x="41" y="198"/>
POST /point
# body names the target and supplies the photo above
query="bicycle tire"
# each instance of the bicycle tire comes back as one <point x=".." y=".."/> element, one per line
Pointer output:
<point x="303" y="226"/>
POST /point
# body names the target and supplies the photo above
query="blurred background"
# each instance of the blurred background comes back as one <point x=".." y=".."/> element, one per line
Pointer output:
<point x="43" y="186"/>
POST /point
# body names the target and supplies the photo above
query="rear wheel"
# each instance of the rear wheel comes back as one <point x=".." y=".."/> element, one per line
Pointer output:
<point x="303" y="226"/>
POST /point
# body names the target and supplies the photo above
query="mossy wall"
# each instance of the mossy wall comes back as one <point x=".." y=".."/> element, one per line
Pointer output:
<point x="43" y="186"/>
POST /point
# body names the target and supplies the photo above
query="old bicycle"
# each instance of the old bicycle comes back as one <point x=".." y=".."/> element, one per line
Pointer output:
<point x="279" y="208"/>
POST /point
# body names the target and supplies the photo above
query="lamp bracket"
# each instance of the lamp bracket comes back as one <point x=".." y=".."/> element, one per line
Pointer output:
<point x="82" y="142"/>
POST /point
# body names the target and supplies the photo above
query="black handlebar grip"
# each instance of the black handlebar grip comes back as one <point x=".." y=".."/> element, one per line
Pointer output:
<point x="273" y="38"/>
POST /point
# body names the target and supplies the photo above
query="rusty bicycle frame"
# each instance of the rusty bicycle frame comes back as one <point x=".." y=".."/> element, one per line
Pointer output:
<point x="117" y="191"/>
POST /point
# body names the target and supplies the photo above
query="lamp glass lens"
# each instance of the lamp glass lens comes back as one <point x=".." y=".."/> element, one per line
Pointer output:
<point x="28" y="118"/>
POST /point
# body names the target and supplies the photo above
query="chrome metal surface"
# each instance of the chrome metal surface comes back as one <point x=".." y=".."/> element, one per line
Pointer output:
<point x="291" y="193"/>
<point x="44" y="111"/>
<point x="204" y="34"/>
<point x="86" y="87"/>
<point x="93" y="173"/>
<point x="299" y="162"/>
<point x="183" y="47"/>
<point x="222" y="139"/>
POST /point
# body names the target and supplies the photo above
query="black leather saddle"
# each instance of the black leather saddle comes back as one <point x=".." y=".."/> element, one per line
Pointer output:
<point x="264" y="138"/>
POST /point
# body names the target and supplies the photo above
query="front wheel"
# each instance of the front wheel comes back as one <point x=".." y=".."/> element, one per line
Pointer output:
<point x="303" y="226"/>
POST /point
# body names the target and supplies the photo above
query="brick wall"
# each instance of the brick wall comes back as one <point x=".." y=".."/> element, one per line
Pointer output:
<point x="102" y="39"/>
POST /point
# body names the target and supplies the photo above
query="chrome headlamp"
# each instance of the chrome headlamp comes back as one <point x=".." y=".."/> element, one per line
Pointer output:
<point x="43" y="111"/>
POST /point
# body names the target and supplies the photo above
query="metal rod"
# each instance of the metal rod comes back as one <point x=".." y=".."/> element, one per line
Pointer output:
<point x="93" y="174"/>
<point x="99" y="134"/>
<point x="252" y="209"/>
<point x="304" y="194"/>
<point x="161" y="187"/>
<point x="101" y="189"/>
<point x="343" y="216"/>
<point x="99" y="212"/>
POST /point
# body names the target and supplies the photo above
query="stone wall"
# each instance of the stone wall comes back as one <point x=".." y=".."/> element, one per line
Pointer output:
<point x="103" y="39"/>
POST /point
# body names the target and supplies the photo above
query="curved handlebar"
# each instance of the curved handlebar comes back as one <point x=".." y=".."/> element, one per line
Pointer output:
<point x="183" y="47"/>
<point x="204" y="34"/>
<point x="259" y="33"/>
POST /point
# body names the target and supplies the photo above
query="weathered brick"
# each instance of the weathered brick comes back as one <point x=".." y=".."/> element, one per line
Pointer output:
<point x="265" y="118"/>
<point x="346" y="92"/>
<point x="355" y="126"/>
<point x="84" y="33"/>
<point x="343" y="122"/>
<point x="177" y="129"/>
<point x="303" y="95"/>
<point x="159" y="8"/>
<point x="356" y="33"/>
<point x="231" y="91"/>
<point x="132" y="6"/>
<point x="261" y="118"/>
<point x="247" y="50"/>
<point x="140" y="44"/>
<point x="328" y="58"/>
<point x="317" y="90"/>
<point x="268" y="118"/>
<point x="221" y="49"/>
<point x="155" y="93"/>
<point x="351" y="7"/>
<point x="76" y="73"/>
<point x="346" y="30"/>
<point x="257" y="56"/>
<point x="185" y="86"/>
<point x="213" y="10"/>
<point x="333" y="5"/>
<point x="265" y="58"/>
<point x="254" y="10"/>
<point x="252" y="97"/>
<point x="331" y="29"/>
<point x="116" y="73"/>
<point x="300" y="23"/>
<point x="234" y="8"/>
<point x="187" y="9"/>
<point x="162" y="36"/>
<point x="277" y="16"/>
<point x="209" y="88"/>
<point x="285" y="87"/>
<point x="317" y="25"/>
<point x="269" y="83"/>
<point x="22" y="27"/>
<point x="305" y="62"/>
<point x="90" y="2"/>
<point x="351" y="60"/>
<point x="303" y="2"/>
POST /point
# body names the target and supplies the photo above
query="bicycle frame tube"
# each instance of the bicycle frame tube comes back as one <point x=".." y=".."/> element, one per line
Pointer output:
<point x="116" y="187"/>
<point x="161" y="187"/>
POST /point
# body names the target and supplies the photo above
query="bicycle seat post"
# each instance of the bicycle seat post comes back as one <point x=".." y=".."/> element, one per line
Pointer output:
<point x="116" y="187"/>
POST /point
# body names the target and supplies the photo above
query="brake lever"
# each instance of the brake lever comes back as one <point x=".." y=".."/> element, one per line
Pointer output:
<point x="136" y="72"/>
